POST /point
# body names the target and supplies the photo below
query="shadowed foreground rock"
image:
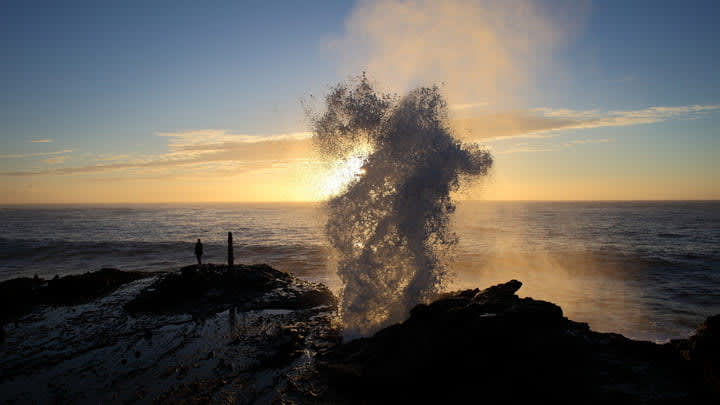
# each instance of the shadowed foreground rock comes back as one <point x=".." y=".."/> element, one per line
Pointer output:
<point x="491" y="346"/>
<point x="208" y="289"/>
<point x="252" y="334"/>
<point x="20" y="295"/>
<point x="205" y="334"/>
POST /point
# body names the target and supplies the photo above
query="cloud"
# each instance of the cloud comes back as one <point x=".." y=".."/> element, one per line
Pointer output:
<point x="109" y="157"/>
<point x="205" y="151"/>
<point x="24" y="155"/>
<point x="527" y="150"/>
<point x="595" y="119"/>
<point x="525" y="147"/>
<point x="225" y="146"/>
<point x="195" y="151"/>
<point x="55" y="160"/>
<point x="509" y="124"/>
<point x="586" y="141"/>
<point x="41" y="140"/>
<point x="547" y="122"/>
<point x="487" y="55"/>
<point x="468" y="106"/>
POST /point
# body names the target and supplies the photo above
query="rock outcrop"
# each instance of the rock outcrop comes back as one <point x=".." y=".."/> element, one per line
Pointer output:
<point x="208" y="289"/>
<point x="204" y="334"/>
<point x="492" y="346"/>
<point x="20" y="295"/>
<point x="249" y="334"/>
<point x="703" y="352"/>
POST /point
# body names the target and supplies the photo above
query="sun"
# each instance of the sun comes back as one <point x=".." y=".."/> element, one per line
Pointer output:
<point x="343" y="172"/>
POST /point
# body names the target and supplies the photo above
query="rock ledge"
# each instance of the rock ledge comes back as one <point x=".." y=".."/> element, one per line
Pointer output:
<point x="495" y="347"/>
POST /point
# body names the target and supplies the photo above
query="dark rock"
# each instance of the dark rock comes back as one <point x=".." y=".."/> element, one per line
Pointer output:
<point x="495" y="347"/>
<point x="283" y="346"/>
<point x="232" y="357"/>
<point x="20" y="295"/>
<point x="74" y="289"/>
<point x="703" y="350"/>
<point x="208" y="289"/>
<point x="17" y="296"/>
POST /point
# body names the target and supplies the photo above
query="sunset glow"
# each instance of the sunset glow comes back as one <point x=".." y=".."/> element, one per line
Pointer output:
<point x="574" y="101"/>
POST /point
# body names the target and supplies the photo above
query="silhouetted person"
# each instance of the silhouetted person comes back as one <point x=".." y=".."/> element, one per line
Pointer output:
<point x="231" y="257"/>
<point x="198" y="251"/>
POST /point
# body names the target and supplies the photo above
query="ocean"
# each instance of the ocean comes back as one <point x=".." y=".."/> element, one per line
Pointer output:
<point x="648" y="270"/>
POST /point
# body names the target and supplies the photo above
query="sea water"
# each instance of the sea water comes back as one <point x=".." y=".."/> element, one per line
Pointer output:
<point x="648" y="270"/>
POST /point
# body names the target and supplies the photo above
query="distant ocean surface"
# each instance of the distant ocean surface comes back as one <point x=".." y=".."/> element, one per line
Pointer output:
<point x="648" y="270"/>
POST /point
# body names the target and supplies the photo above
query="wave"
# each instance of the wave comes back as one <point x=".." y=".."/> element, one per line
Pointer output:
<point x="671" y="235"/>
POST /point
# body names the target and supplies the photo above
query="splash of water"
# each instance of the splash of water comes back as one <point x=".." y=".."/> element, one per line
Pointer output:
<point x="390" y="225"/>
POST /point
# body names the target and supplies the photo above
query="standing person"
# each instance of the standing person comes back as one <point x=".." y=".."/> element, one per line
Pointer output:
<point x="199" y="251"/>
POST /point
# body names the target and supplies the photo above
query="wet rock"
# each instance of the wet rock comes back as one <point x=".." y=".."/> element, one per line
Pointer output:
<point x="19" y="296"/>
<point x="281" y="348"/>
<point x="207" y="289"/>
<point x="104" y="354"/>
<point x="493" y="346"/>
<point x="84" y="287"/>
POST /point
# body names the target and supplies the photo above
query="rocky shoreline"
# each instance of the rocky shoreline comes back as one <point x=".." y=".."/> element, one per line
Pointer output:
<point x="493" y="346"/>
<point x="252" y="334"/>
<point x="20" y="296"/>
<point x="203" y="334"/>
<point x="209" y="289"/>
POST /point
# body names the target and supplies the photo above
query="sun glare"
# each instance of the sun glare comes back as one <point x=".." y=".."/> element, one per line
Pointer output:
<point x="343" y="172"/>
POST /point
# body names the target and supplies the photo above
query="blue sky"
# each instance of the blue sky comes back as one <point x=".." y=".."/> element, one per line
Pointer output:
<point x="100" y="81"/>
<point x="78" y="71"/>
<point x="634" y="53"/>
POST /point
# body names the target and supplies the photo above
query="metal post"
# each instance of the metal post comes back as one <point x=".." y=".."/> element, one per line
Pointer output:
<point x="231" y="258"/>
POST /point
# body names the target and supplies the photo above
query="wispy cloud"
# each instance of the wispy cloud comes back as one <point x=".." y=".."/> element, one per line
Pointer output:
<point x="525" y="147"/>
<point x="108" y="157"/>
<point x="205" y="151"/>
<point x="195" y="151"/>
<point x="24" y="155"/>
<point x="468" y="106"/>
<point x="56" y="160"/>
<point x="526" y="150"/>
<point x="586" y="141"/>
<point x="41" y="140"/>
<point x="547" y="122"/>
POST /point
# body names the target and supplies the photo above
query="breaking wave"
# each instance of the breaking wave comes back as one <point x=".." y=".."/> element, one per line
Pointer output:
<point x="389" y="226"/>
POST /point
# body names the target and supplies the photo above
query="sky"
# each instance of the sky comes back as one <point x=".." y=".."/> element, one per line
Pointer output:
<point x="136" y="101"/>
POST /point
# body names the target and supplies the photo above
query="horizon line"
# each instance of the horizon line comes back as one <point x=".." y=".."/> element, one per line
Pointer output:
<point x="12" y="204"/>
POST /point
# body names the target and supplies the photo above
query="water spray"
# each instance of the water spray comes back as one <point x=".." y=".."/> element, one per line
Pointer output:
<point x="390" y="225"/>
